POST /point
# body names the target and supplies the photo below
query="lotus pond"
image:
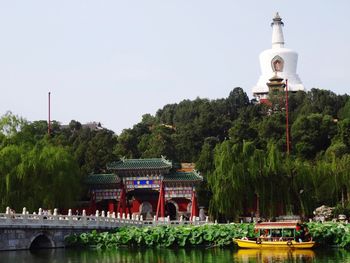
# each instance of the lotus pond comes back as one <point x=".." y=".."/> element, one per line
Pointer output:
<point x="197" y="244"/>
<point x="205" y="236"/>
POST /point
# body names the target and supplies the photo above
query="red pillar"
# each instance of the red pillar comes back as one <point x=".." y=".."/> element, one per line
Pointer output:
<point x="161" y="202"/>
<point x="194" y="208"/>
<point x="122" y="201"/>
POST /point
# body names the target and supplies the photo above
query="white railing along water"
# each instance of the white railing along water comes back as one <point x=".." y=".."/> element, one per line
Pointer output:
<point x="100" y="220"/>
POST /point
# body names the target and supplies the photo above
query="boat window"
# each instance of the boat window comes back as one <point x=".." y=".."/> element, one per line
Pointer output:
<point x="288" y="233"/>
<point x="276" y="233"/>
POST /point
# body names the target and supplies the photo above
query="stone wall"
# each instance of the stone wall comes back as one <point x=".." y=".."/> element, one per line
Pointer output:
<point x="24" y="237"/>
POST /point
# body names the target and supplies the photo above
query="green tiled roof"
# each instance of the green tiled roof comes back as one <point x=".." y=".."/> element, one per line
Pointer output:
<point x="140" y="164"/>
<point x="183" y="176"/>
<point x="102" y="179"/>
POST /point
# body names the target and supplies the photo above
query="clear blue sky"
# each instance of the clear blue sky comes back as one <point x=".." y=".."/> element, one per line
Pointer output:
<point x="113" y="61"/>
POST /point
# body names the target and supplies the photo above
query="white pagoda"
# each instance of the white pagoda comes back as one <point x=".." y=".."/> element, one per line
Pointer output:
<point x="277" y="61"/>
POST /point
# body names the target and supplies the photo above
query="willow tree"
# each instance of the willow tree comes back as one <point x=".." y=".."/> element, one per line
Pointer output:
<point x="304" y="186"/>
<point x="344" y="167"/>
<point x="339" y="183"/>
<point x="231" y="183"/>
<point x="10" y="158"/>
<point x="44" y="176"/>
<point x="256" y="168"/>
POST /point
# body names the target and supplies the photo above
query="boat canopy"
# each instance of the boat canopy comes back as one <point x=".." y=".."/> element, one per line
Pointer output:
<point x="278" y="225"/>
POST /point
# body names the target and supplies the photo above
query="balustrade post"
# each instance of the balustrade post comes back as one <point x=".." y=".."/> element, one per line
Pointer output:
<point x="97" y="218"/>
<point x="24" y="215"/>
<point x="103" y="219"/>
<point x="8" y="215"/>
<point x="83" y="217"/>
<point x="114" y="218"/>
<point x="40" y="216"/>
<point x="108" y="218"/>
<point x="155" y="220"/>
<point x="70" y="217"/>
<point x="55" y="216"/>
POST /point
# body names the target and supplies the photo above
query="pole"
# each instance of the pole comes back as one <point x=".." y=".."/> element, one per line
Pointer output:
<point x="287" y="118"/>
<point x="49" y="121"/>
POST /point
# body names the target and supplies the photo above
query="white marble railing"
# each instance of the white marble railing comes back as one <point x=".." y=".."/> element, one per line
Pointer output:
<point x="99" y="220"/>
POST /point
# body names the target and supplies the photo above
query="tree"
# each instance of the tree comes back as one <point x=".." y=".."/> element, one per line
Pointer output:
<point x="127" y="145"/>
<point x="99" y="151"/>
<point x="160" y="142"/>
<point x="205" y="164"/>
<point x="236" y="101"/>
<point x="36" y="177"/>
<point x="312" y="134"/>
<point x="10" y="124"/>
<point x="323" y="101"/>
<point x="344" y="113"/>
<point x="344" y="132"/>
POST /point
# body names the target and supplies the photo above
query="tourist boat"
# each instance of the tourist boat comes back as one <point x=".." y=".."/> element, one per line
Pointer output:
<point x="277" y="235"/>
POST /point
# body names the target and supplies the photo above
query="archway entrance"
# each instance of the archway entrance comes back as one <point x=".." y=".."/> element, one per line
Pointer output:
<point x="41" y="241"/>
<point x="170" y="209"/>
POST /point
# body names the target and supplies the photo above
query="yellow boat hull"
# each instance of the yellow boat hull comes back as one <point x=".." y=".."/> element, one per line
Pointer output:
<point x="274" y="244"/>
<point x="273" y="255"/>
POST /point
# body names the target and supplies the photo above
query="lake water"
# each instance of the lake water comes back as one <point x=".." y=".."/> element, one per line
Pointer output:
<point x="174" y="256"/>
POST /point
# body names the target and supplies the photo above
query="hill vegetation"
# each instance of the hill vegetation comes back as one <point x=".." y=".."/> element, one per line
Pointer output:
<point x="238" y="145"/>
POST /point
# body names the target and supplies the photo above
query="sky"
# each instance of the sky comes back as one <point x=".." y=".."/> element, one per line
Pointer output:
<point x="112" y="61"/>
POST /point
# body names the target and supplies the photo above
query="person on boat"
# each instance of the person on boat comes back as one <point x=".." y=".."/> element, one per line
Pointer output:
<point x="265" y="235"/>
<point x="305" y="235"/>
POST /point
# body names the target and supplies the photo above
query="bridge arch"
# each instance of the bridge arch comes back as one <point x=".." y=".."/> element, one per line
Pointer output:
<point x="41" y="240"/>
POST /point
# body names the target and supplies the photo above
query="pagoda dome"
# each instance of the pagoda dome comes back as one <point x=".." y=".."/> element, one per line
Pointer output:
<point x="277" y="60"/>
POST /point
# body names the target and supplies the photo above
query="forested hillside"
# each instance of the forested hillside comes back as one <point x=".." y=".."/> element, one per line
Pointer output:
<point x="239" y="146"/>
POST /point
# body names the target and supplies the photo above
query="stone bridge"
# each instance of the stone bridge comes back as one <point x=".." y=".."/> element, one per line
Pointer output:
<point x="45" y="230"/>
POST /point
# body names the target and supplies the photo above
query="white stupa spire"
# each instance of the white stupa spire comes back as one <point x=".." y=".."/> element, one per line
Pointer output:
<point x="279" y="61"/>
<point x="277" y="33"/>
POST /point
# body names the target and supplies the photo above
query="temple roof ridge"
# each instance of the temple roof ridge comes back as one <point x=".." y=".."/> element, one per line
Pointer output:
<point x="144" y="163"/>
<point x="103" y="178"/>
<point x="183" y="176"/>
